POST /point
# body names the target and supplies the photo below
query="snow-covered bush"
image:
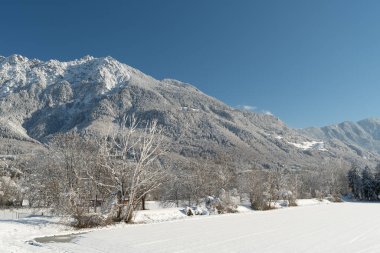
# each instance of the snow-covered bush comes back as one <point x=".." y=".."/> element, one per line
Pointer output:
<point x="258" y="201"/>
<point x="10" y="191"/>
<point x="333" y="198"/>
<point x="211" y="204"/>
<point x="259" y="195"/>
<point x="288" y="197"/>
<point x="191" y="211"/>
<point x="319" y="195"/>
<point x="225" y="202"/>
<point x="200" y="211"/>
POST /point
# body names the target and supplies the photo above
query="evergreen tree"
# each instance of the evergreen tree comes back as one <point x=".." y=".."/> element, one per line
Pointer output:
<point x="355" y="182"/>
<point x="368" y="184"/>
<point x="377" y="181"/>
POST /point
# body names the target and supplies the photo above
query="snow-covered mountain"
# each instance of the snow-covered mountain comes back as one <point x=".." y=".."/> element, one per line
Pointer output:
<point x="40" y="99"/>
<point x="361" y="136"/>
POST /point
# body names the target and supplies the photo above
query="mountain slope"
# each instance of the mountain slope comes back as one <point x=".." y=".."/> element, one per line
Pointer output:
<point x="40" y="99"/>
<point x="360" y="136"/>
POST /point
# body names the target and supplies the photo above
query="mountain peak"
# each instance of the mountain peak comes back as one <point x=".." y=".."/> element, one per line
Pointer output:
<point x="20" y="73"/>
<point x="14" y="58"/>
<point x="375" y="120"/>
<point x="87" y="58"/>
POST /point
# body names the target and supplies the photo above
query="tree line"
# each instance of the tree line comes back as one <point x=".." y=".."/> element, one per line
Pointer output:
<point x="81" y="176"/>
<point x="364" y="183"/>
<point x="98" y="180"/>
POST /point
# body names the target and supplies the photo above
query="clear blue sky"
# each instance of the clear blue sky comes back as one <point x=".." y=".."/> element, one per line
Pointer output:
<point x="311" y="63"/>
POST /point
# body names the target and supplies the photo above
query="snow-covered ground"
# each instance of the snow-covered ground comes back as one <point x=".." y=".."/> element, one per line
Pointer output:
<point x="311" y="227"/>
<point x="306" y="145"/>
<point x="15" y="233"/>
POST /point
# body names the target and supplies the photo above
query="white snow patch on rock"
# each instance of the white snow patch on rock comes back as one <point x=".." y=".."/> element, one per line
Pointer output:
<point x="20" y="72"/>
<point x="307" y="145"/>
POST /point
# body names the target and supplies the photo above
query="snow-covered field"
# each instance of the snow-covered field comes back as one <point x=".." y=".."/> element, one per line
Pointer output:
<point x="312" y="227"/>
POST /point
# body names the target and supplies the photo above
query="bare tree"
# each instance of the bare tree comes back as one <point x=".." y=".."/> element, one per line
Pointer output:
<point x="72" y="155"/>
<point x="128" y="164"/>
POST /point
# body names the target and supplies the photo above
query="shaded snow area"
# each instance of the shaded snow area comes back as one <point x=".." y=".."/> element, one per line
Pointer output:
<point x="306" y="145"/>
<point x="17" y="231"/>
<point x="312" y="227"/>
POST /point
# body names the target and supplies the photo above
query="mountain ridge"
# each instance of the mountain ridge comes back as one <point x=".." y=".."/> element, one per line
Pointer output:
<point x="361" y="135"/>
<point x="39" y="99"/>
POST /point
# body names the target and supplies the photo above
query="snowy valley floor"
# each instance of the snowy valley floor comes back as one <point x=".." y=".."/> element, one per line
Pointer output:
<point x="341" y="227"/>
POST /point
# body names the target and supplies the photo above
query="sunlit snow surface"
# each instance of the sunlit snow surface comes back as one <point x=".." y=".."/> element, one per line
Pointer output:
<point x="18" y="72"/>
<point x="306" y="145"/>
<point x="341" y="227"/>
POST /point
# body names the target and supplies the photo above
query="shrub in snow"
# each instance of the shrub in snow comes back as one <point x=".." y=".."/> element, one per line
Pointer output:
<point x="259" y="203"/>
<point x="319" y="195"/>
<point x="89" y="220"/>
<point x="288" y="197"/>
<point x="211" y="204"/>
<point x="10" y="191"/>
<point x="226" y="202"/>
<point x="333" y="198"/>
<point x="259" y="200"/>
<point x="190" y="211"/>
<point x="200" y="211"/>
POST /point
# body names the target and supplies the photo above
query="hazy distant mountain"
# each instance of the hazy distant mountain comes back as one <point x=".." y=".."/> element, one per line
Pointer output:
<point x="361" y="136"/>
<point x="40" y="99"/>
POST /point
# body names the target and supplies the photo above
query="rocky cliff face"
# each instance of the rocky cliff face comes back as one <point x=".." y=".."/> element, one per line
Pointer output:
<point x="40" y="99"/>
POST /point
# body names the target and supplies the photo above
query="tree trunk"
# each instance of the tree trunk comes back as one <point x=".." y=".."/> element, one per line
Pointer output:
<point x="119" y="206"/>
<point x="96" y="202"/>
<point x="143" y="202"/>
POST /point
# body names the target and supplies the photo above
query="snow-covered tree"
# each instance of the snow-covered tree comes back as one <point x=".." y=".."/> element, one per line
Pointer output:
<point x="128" y="165"/>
